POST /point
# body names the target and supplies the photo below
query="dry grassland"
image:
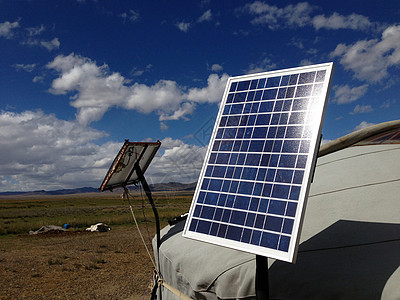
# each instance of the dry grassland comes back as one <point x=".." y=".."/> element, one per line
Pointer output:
<point x="79" y="264"/>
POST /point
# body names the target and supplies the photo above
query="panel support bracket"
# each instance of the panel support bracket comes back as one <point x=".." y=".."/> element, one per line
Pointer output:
<point x="262" y="280"/>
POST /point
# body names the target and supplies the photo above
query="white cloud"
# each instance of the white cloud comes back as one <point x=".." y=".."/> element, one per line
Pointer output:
<point x="361" y="109"/>
<point x="305" y="62"/>
<point x="33" y="31"/>
<point x="22" y="67"/>
<point x="38" y="79"/>
<point x="212" y="93"/>
<point x="183" y="26"/>
<point x="264" y="64"/>
<point x="6" y="29"/>
<point x="169" y="143"/>
<point x="388" y="103"/>
<point x="336" y="21"/>
<point x="39" y="151"/>
<point x="216" y="68"/>
<point x="97" y="90"/>
<point x="51" y="45"/>
<point x="137" y="72"/>
<point x="29" y="38"/>
<point x="179" y="162"/>
<point x="185" y="109"/>
<point x="275" y="17"/>
<point x="301" y="14"/>
<point x="131" y="16"/>
<point x="163" y="126"/>
<point x="346" y="94"/>
<point x="206" y="16"/>
<point x="296" y="42"/>
<point x="371" y="59"/>
<point x="363" y="125"/>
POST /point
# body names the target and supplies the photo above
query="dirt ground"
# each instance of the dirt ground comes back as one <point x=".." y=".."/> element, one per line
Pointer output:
<point x="79" y="265"/>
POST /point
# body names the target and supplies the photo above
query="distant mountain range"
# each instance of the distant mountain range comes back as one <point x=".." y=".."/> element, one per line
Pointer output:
<point x="170" y="186"/>
<point x="173" y="186"/>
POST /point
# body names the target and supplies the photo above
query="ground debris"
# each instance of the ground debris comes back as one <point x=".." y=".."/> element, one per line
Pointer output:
<point x="48" y="228"/>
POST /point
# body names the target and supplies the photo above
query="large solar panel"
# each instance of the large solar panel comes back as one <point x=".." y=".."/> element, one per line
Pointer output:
<point x="255" y="178"/>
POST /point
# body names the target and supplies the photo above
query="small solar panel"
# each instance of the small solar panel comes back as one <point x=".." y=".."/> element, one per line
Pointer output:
<point x="255" y="179"/>
<point x="122" y="171"/>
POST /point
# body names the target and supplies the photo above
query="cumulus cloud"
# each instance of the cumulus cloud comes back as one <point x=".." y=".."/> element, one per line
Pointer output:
<point x="371" y="59"/>
<point x="185" y="109"/>
<point x="51" y="45"/>
<point x="346" y="94"/>
<point x="264" y="64"/>
<point x="38" y="79"/>
<point x="25" y="67"/>
<point x="212" y="93"/>
<point x="301" y="14"/>
<point x="305" y="62"/>
<point x="33" y="31"/>
<point x="206" y="16"/>
<point x="388" y="103"/>
<point x="131" y="16"/>
<point x="139" y="72"/>
<point x="39" y="151"/>
<point x="275" y="17"/>
<point x="6" y="29"/>
<point x="362" y="125"/>
<point x="296" y="42"/>
<point x="216" y="68"/>
<point x="336" y="21"/>
<point x="183" y="26"/>
<point x="29" y="36"/>
<point x="361" y="109"/>
<point x="178" y="162"/>
<point x="163" y="126"/>
<point x="97" y="89"/>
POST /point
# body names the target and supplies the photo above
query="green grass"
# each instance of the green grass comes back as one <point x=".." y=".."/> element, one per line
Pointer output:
<point x="19" y="215"/>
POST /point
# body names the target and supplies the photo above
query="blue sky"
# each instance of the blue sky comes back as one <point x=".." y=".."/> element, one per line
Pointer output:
<point x="79" y="77"/>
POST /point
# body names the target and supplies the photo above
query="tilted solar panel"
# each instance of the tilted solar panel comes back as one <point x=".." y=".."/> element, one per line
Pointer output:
<point x="122" y="171"/>
<point x="254" y="182"/>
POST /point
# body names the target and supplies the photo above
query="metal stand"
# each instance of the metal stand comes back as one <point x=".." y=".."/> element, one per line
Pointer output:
<point x="262" y="282"/>
<point x="147" y="191"/>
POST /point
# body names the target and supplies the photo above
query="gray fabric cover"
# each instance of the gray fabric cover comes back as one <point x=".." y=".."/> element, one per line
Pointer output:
<point x="202" y="270"/>
<point x="350" y="241"/>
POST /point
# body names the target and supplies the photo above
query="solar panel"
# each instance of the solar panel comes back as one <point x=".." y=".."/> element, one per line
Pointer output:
<point x="255" y="178"/>
<point x="122" y="171"/>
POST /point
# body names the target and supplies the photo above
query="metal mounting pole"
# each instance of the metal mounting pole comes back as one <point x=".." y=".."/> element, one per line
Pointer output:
<point x="147" y="191"/>
<point x="262" y="281"/>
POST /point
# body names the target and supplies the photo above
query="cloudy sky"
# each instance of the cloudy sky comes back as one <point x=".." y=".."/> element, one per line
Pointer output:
<point x="77" y="77"/>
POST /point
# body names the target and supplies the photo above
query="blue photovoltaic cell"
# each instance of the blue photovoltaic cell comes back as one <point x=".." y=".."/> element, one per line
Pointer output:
<point x="256" y="174"/>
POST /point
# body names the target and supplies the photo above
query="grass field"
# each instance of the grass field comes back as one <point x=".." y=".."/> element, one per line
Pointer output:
<point x="19" y="215"/>
<point x="79" y="264"/>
